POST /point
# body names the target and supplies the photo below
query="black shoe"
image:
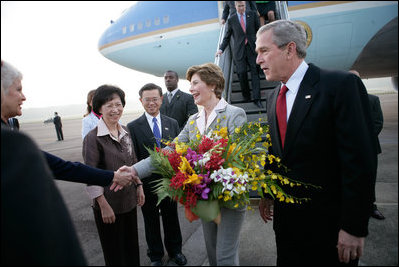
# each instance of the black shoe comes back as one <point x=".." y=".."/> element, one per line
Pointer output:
<point x="377" y="214"/>
<point x="156" y="263"/>
<point x="179" y="259"/>
<point x="258" y="103"/>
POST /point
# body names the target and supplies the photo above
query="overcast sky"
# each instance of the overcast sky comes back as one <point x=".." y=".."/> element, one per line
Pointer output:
<point x="54" y="45"/>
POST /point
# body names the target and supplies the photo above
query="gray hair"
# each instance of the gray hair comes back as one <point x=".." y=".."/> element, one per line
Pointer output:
<point x="286" y="31"/>
<point x="8" y="75"/>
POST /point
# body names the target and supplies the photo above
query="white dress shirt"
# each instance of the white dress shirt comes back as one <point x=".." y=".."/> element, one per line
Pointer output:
<point x="293" y="84"/>
<point x="151" y="123"/>
<point x="202" y="126"/>
<point x="89" y="123"/>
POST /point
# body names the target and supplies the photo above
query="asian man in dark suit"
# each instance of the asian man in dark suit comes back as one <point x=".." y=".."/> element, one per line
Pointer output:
<point x="321" y="128"/>
<point x="146" y="132"/>
<point x="244" y="54"/>
<point x="176" y="103"/>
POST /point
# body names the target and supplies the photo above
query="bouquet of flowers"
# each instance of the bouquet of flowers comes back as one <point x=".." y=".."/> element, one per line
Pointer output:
<point x="218" y="169"/>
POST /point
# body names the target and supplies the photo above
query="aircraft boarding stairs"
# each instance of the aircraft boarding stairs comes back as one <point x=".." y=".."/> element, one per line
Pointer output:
<point x="233" y="95"/>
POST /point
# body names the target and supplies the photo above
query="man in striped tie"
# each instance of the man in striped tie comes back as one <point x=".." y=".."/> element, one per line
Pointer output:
<point x="243" y="27"/>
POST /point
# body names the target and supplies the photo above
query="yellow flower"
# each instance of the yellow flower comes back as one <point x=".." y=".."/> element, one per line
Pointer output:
<point x="192" y="122"/>
<point x="193" y="179"/>
<point x="273" y="188"/>
<point x="181" y="148"/>
<point x="223" y="132"/>
<point x="185" y="166"/>
<point x="237" y="130"/>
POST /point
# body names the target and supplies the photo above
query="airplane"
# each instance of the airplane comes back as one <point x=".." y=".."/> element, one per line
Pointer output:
<point x="155" y="36"/>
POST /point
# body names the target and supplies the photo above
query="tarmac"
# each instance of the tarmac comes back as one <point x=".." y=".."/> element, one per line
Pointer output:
<point x="257" y="243"/>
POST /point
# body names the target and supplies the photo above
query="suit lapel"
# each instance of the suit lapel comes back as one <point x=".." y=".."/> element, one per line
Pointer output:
<point x="165" y="127"/>
<point x="175" y="98"/>
<point x="145" y="126"/>
<point x="307" y="93"/>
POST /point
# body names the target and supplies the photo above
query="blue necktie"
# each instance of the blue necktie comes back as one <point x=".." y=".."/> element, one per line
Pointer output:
<point x="157" y="134"/>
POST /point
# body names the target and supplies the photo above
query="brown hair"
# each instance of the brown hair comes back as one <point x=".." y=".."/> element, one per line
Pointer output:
<point x="90" y="95"/>
<point x="209" y="73"/>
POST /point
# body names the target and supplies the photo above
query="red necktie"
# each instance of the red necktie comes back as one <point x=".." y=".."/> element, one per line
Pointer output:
<point x="243" y="26"/>
<point x="281" y="112"/>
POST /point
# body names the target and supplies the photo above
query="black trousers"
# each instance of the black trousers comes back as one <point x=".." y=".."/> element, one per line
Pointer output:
<point x="119" y="240"/>
<point x="242" y="71"/>
<point x="60" y="136"/>
<point x="170" y="222"/>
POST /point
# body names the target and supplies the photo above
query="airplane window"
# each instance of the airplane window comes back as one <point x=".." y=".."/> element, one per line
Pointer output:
<point x="132" y="28"/>
<point x="148" y="23"/>
<point x="157" y="21"/>
<point x="124" y="30"/>
<point x="165" y="19"/>
<point x="140" y="26"/>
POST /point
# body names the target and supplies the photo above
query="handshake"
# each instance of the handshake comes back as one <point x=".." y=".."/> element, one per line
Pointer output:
<point x="125" y="176"/>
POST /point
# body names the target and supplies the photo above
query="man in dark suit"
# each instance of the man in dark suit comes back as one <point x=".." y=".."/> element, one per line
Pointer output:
<point x="13" y="123"/>
<point x="321" y="128"/>
<point x="36" y="228"/>
<point x="146" y="132"/>
<point x="378" y="119"/>
<point x="243" y="25"/>
<point x="58" y="126"/>
<point x="177" y="104"/>
<point x="229" y="9"/>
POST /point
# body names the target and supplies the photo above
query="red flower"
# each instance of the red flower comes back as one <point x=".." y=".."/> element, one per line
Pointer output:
<point x="191" y="198"/>
<point x="215" y="162"/>
<point x="177" y="181"/>
<point x="223" y="142"/>
<point x="206" y="144"/>
<point x="174" y="160"/>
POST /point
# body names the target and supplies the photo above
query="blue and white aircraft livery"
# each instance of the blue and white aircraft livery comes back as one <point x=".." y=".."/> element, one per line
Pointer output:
<point x="154" y="36"/>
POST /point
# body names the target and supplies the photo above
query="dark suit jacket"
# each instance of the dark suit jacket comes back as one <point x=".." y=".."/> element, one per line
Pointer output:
<point x="180" y="109"/>
<point x="78" y="172"/>
<point x="13" y="123"/>
<point x="230" y="8"/>
<point x="142" y="135"/>
<point x="378" y="118"/>
<point x="328" y="143"/>
<point x="234" y="28"/>
<point x="36" y="228"/>
<point x="74" y="171"/>
<point x="57" y="121"/>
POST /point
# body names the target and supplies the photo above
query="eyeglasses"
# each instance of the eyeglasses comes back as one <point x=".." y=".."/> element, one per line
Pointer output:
<point x="148" y="100"/>
<point x="117" y="105"/>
